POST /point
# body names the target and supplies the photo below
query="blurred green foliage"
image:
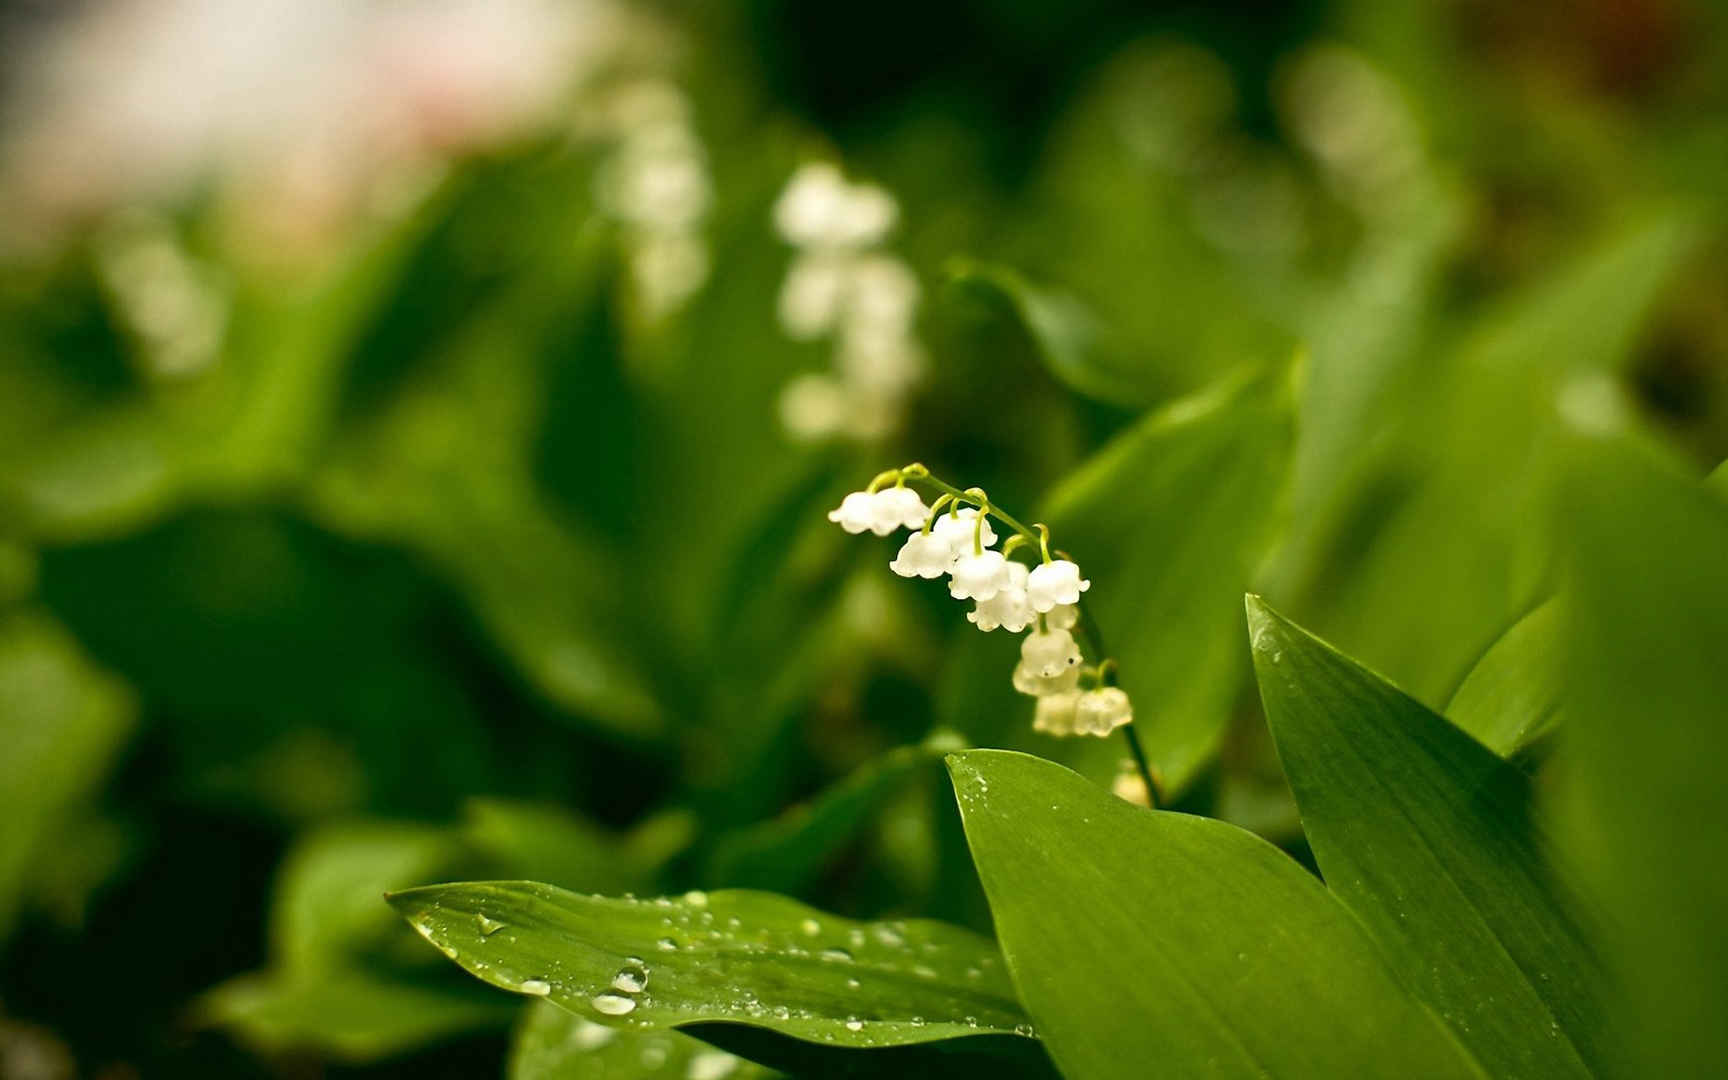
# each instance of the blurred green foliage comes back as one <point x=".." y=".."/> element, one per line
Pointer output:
<point x="454" y="560"/>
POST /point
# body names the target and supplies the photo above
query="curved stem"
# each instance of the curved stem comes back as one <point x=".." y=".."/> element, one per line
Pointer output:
<point x="960" y="496"/>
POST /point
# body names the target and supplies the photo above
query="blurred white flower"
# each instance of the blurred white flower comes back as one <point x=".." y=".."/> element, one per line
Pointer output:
<point x="1044" y="685"/>
<point x="814" y="294"/>
<point x="1055" y="713"/>
<point x="856" y="512"/>
<point x="296" y="107"/>
<point x="1063" y="616"/>
<point x="813" y="406"/>
<point x="819" y="209"/>
<point x="1047" y="652"/>
<point x="1101" y="711"/>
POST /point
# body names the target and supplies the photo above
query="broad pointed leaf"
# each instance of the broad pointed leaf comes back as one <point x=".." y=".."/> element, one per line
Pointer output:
<point x="1512" y="697"/>
<point x="1154" y="943"/>
<point x="1169" y="521"/>
<point x="1641" y="788"/>
<point x="821" y="988"/>
<point x="1427" y="836"/>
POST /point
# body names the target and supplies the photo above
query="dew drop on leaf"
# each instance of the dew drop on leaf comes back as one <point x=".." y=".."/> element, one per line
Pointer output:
<point x="612" y="1004"/>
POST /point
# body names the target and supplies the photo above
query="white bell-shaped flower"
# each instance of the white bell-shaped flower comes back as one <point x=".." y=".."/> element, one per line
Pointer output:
<point x="924" y="555"/>
<point x="1129" y="786"/>
<point x="1045" y="685"/>
<point x="979" y="577"/>
<point x="956" y="531"/>
<point x="1055" y="713"/>
<point x="1049" y="652"/>
<point x="856" y="512"/>
<point x="1008" y="608"/>
<point x="1102" y="711"/>
<point x="1055" y="583"/>
<point x="1063" y="616"/>
<point x="813" y="203"/>
<point x="898" y="508"/>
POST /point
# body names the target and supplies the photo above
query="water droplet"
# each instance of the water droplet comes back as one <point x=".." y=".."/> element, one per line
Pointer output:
<point x="537" y="987"/>
<point x="889" y="936"/>
<point x="854" y="1025"/>
<point x="696" y="898"/>
<point x="631" y="980"/>
<point x="612" y="1004"/>
<point x="856" y="937"/>
<point x="1025" y="1029"/>
<point x="853" y="984"/>
<point x="917" y="1021"/>
<point x="781" y="1012"/>
<point x="924" y="971"/>
<point x="653" y="1057"/>
<point x="838" y="956"/>
<point x="810" y="927"/>
<point x="974" y="973"/>
<point x="666" y="944"/>
<point x="488" y="927"/>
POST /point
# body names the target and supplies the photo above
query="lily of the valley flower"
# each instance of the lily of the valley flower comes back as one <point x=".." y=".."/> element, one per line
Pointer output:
<point x="956" y="530"/>
<point x="1101" y="711"/>
<point x="881" y="512"/>
<point x="1049" y="652"/>
<point x="1054" y="583"/>
<point x="1008" y="608"/>
<point x="925" y="555"/>
<point x="980" y="576"/>
<point x="958" y="541"/>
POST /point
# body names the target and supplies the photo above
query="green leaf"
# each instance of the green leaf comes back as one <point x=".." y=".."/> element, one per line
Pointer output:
<point x="351" y="1015"/>
<point x="1068" y="338"/>
<point x="1427" y="836"/>
<point x="549" y="843"/>
<point x="64" y="720"/>
<point x="552" y="1044"/>
<point x="1154" y="942"/>
<point x="1512" y="697"/>
<point x="1640" y="782"/>
<point x="823" y="987"/>
<point x="784" y="854"/>
<point x="326" y="907"/>
<point x="1169" y="521"/>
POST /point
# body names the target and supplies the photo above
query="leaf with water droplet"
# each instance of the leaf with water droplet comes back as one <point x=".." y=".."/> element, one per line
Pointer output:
<point x="1125" y="935"/>
<point x="552" y="1044"/>
<point x="1428" y="837"/>
<point x="746" y="974"/>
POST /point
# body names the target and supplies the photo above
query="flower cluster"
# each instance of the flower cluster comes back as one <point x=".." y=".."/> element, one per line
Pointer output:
<point x="654" y="183"/>
<point x="953" y="538"/>
<point x="841" y="285"/>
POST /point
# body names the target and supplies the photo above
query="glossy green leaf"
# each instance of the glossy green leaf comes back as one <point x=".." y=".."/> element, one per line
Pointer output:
<point x="1169" y="521"/>
<point x="818" y="984"/>
<point x="1147" y="942"/>
<point x="1427" y="836"/>
<point x="1512" y="697"/>
<point x="784" y="854"/>
<point x="552" y="1044"/>
<point x="1071" y="341"/>
<point x="356" y="1016"/>
<point x="1640" y="783"/>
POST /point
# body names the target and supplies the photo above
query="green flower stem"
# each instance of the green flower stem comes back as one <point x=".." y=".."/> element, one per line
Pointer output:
<point x="917" y="471"/>
<point x="1088" y="628"/>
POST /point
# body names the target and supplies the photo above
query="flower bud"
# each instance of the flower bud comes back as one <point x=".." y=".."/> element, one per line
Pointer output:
<point x="1045" y="685"/>
<point x="1102" y="711"/>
